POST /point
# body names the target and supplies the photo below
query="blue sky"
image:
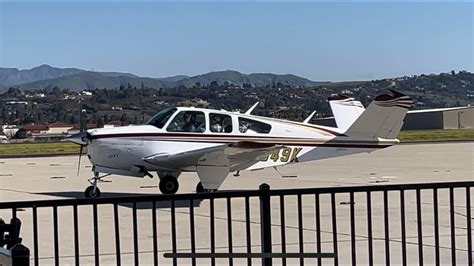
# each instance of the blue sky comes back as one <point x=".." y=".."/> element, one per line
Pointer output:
<point x="320" y="41"/>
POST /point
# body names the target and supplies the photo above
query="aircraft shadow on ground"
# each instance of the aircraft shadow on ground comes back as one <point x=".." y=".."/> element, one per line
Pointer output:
<point x="140" y="205"/>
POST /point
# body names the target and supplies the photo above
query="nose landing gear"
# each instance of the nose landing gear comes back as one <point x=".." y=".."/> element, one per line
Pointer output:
<point x="93" y="190"/>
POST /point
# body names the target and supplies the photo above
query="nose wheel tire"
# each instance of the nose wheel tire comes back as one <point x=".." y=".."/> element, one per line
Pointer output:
<point x="169" y="185"/>
<point x="90" y="193"/>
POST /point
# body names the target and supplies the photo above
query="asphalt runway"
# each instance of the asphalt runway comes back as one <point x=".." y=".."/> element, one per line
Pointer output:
<point x="55" y="177"/>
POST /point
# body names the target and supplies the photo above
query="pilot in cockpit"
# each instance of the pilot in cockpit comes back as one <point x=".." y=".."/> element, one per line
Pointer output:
<point x="190" y="123"/>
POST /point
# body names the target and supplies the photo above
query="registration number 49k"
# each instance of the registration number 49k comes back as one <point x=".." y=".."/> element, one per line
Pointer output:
<point x="284" y="155"/>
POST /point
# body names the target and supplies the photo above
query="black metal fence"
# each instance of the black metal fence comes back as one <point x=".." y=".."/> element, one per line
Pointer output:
<point x="384" y="224"/>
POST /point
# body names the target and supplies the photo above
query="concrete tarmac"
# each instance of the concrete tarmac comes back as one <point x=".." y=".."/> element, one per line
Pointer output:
<point x="55" y="178"/>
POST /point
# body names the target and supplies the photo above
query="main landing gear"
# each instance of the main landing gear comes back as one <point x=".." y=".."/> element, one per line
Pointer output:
<point x="200" y="188"/>
<point x="169" y="184"/>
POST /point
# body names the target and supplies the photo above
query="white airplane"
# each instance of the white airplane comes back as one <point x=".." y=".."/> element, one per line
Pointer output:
<point x="214" y="143"/>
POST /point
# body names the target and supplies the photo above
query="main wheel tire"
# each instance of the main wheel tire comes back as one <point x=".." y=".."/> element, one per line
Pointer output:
<point x="91" y="194"/>
<point x="169" y="185"/>
<point x="200" y="189"/>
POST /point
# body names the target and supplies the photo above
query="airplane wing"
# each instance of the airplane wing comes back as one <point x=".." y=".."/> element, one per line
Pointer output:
<point x="181" y="160"/>
<point x="244" y="154"/>
<point x="213" y="164"/>
<point x="238" y="155"/>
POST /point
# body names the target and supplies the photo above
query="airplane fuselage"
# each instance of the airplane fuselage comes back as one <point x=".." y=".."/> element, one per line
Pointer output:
<point x="122" y="150"/>
<point x="214" y="143"/>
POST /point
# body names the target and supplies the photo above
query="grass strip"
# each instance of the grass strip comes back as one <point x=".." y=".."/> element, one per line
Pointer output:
<point x="59" y="148"/>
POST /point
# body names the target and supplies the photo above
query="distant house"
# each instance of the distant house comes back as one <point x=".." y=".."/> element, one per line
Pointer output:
<point x="77" y="128"/>
<point x="9" y="130"/>
<point x="59" y="128"/>
<point x="112" y="124"/>
<point x="33" y="130"/>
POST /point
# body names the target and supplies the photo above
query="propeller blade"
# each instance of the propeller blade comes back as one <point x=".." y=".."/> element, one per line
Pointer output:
<point x="79" y="163"/>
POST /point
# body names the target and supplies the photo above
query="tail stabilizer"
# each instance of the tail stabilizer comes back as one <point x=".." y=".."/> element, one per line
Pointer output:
<point x="345" y="110"/>
<point x="383" y="118"/>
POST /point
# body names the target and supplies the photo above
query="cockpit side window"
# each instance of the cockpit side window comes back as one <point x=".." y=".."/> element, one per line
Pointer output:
<point x="159" y="119"/>
<point x="251" y="126"/>
<point x="220" y="123"/>
<point x="188" y="121"/>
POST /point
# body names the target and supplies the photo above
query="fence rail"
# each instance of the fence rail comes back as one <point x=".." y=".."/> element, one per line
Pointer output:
<point x="407" y="223"/>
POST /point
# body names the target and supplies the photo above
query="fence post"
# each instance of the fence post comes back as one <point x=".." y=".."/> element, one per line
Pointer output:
<point x="20" y="255"/>
<point x="265" y="223"/>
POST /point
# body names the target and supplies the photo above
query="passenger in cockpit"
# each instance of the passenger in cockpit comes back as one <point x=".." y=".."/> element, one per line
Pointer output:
<point x="216" y="123"/>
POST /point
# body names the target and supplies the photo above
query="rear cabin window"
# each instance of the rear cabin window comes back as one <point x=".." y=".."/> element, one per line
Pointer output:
<point x="251" y="126"/>
<point x="188" y="121"/>
<point x="220" y="123"/>
<point x="159" y="119"/>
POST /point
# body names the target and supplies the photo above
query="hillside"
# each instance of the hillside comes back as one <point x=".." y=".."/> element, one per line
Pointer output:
<point x="91" y="80"/>
<point x="13" y="76"/>
<point x="131" y="104"/>
<point x="78" y="80"/>
<point x="255" y="79"/>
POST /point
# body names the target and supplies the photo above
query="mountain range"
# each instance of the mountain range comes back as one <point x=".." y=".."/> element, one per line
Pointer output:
<point x="48" y="77"/>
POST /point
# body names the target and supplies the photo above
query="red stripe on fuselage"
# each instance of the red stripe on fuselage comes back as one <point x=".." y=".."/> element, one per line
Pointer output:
<point x="229" y="139"/>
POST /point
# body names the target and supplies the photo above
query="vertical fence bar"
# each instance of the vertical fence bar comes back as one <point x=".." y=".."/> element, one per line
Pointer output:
<point x="96" y="234"/>
<point x="135" y="234"/>
<point x="282" y="228"/>
<point x="14" y="210"/>
<point x="35" y="235"/>
<point x="353" y="237"/>
<point x="318" y="227"/>
<point x="420" y="226"/>
<point x="192" y="231"/>
<point x="173" y="231"/>
<point x="369" y="229"/>
<point x="76" y="235"/>
<point x="403" y="227"/>
<point x="334" y="228"/>
<point x="386" y="227"/>
<point x="469" y="232"/>
<point x="117" y="235"/>
<point x="55" y="235"/>
<point x="300" y="227"/>
<point x="229" y="228"/>
<point x="436" y="225"/>
<point x="155" y="233"/>
<point x="453" y="225"/>
<point x="265" y="222"/>
<point x="247" y="229"/>
<point x="211" y="221"/>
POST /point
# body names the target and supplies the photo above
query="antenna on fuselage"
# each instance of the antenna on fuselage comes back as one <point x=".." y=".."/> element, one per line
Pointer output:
<point x="306" y="121"/>
<point x="249" y="111"/>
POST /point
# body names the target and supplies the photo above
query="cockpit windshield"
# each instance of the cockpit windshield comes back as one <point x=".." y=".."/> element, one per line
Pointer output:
<point x="159" y="119"/>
